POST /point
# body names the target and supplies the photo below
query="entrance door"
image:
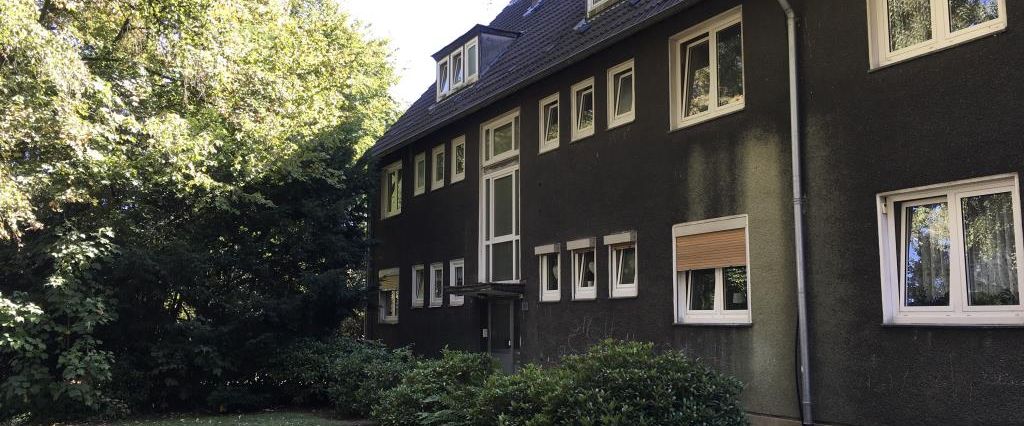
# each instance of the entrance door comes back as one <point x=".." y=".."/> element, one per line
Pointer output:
<point x="502" y="333"/>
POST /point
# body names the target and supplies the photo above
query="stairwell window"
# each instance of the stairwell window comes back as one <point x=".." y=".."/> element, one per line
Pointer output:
<point x="457" y="278"/>
<point x="583" y="109"/>
<point x="458" y="159"/>
<point x="584" y="268"/>
<point x="622" y="264"/>
<point x="621" y="89"/>
<point x="436" y="285"/>
<point x="438" y="162"/>
<point x="549" y="130"/>
<point x="419" y="166"/>
<point x="707" y="69"/>
<point x="501" y="232"/>
<point x="712" y="279"/>
<point x="500" y="138"/>
<point x="950" y="252"/>
<point x="387" y="283"/>
<point x="391" y="190"/>
<point x="903" y="29"/>
<point x="419" y="286"/>
<point x="550" y="262"/>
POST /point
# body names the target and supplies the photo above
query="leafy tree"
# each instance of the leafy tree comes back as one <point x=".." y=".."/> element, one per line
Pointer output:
<point x="182" y="190"/>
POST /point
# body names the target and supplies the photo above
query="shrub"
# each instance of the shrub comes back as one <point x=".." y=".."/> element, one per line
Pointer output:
<point x="517" y="399"/>
<point x="436" y="392"/>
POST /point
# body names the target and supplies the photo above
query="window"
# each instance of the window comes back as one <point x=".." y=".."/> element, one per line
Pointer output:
<point x="595" y="6"/>
<point x="443" y="78"/>
<point x="387" y="281"/>
<point x="949" y="253"/>
<point x="391" y="190"/>
<point x="438" y="163"/>
<point x="707" y="70"/>
<point x="712" y="283"/>
<point x="550" y="263"/>
<point x="436" y="285"/>
<point x="500" y="222"/>
<point x="458" y="69"/>
<point x="903" y="29"/>
<point x="419" y="286"/>
<point x="583" y="109"/>
<point x="500" y="138"/>
<point x="621" y="87"/>
<point x="472" y="60"/>
<point x="622" y="264"/>
<point x="457" y="278"/>
<point x="458" y="159"/>
<point x="420" y="173"/>
<point x="549" y="130"/>
<point x="584" y="269"/>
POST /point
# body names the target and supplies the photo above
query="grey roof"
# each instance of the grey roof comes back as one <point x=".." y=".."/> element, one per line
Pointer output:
<point x="550" y="40"/>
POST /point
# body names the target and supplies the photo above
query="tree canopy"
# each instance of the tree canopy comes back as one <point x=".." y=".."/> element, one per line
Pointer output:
<point x="182" y="188"/>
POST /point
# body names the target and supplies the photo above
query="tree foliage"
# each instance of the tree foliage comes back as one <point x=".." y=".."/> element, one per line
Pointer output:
<point x="182" y="190"/>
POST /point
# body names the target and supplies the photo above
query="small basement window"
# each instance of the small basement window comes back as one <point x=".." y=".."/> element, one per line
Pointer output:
<point x="583" y="109"/>
<point x="949" y="253"/>
<point x="707" y="70"/>
<point x="549" y="130"/>
<point x="387" y="283"/>
<point x="621" y="89"/>
<point x="905" y="29"/>
<point x="712" y="279"/>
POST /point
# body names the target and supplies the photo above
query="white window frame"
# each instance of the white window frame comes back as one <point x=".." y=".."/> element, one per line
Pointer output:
<point x="616" y="243"/>
<point x="453" y="266"/>
<point x="419" y="162"/>
<point x="892" y="241"/>
<point x="486" y="148"/>
<point x="456" y="144"/>
<point x="487" y="238"/>
<point x="615" y="120"/>
<point x="942" y="38"/>
<point x="386" y="209"/>
<point x="436" y="302"/>
<point x="437" y="180"/>
<point x="596" y="6"/>
<point x="542" y="253"/>
<point x="474" y="73"/>
<point x="578" y="133"/>
<point x="705" y="31"/>
<point x="441" y="92"/>
<point x="451" y="65"/>
<point x="718" y="316"/>
<point x="577" y="250"/>
<point x="546" y="144"/>
<point x="381" y="316"/>
<point x="417" y="295"/>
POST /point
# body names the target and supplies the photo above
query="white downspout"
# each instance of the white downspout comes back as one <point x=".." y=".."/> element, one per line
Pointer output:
<point x="798" y="220"/>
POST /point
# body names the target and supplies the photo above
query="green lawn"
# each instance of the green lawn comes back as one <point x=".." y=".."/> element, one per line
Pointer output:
<point x="258" y="419"/>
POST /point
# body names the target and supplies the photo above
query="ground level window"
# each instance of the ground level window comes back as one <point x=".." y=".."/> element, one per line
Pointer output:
<point x="550" y="262"/>
<point x="387" y="282"/>
<point x="436" y="285"/>
<point x="950" y="253"/>
<point x="457" y="278"/>
<point x="584" y="268"/>
<point x="622" y="264"/>
<point x="712" y="279"/>
<point x="419" y="286"/>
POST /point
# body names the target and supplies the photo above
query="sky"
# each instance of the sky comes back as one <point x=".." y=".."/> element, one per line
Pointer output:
<point x="417" y="29"/>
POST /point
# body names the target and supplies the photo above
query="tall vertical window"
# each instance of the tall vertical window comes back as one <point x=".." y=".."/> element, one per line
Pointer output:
<point x="387" y="281"/>
<point x="621" y="89"/>
<point x="950" y="253"/>
<point x="472" y="60"/>
<point x="549" y="130"/>
<point x="437" y="166"/>
<point x="622" y="264"/>
<point x="419" y="286"/>
<point x="444" y="85"/>
<point x="707" y="69"/>
<point x="712" y="280"/>
<point x="458" y="68"/>
<point x="903" y="29"/>
<point x="500" y="138"/>
<point x="458" y="159"/>
<point x="391" y="190"/>
<point x="457" y="278"/>
<point x="419" y="168"/>
<point x="583" y="109"/>
<point x="584" y="268"/>
<point x="550" y="262"/>
<point x="501" y="225"/>
<point x="436" y="285"/>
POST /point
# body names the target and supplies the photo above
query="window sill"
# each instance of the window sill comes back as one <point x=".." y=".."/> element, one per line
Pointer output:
<point x="613" y="123"/>
<point x="714" y="324"/>
<point x="723" y="112"/>
<point x="549" y="301"/>
<point x="388" y="321"/>
<point x="417" y="306"/>
<point x="543" y="150"/>
<point x="625" y="296"/>
<point x="584" y="299"/>
<point x="577" y="138"/>
<point x="435" y="188"/>
<point x="390" y="216"/>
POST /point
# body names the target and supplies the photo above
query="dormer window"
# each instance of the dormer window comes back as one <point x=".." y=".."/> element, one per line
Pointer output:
<point x="595" y="6"/>
<point x="458" y="68"/>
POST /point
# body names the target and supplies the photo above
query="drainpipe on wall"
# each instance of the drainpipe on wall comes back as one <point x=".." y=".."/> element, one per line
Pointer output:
<point x="798" y="221"/>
